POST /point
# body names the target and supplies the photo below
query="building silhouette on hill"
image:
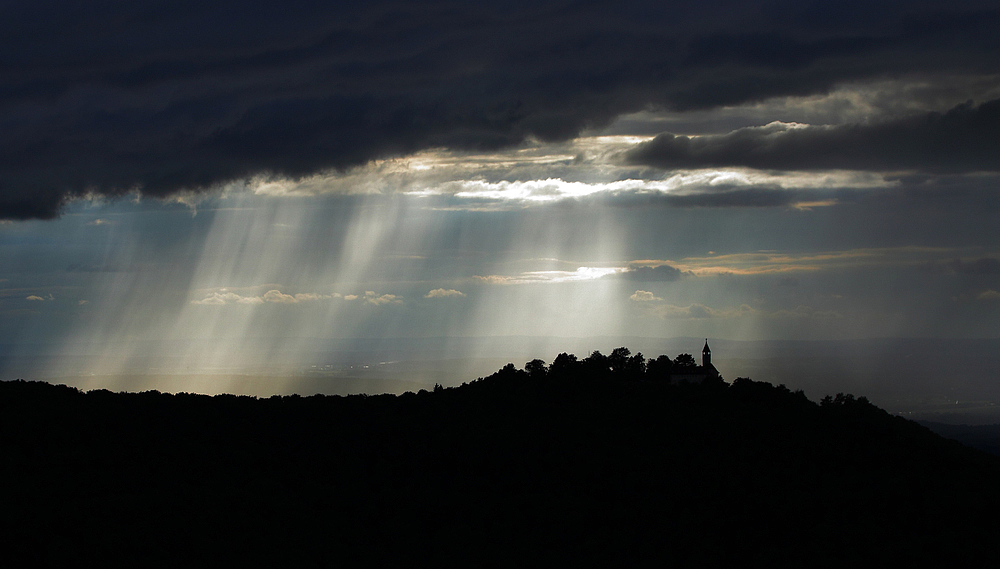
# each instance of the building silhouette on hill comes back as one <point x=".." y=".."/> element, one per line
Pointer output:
<point x="696" y="373"/>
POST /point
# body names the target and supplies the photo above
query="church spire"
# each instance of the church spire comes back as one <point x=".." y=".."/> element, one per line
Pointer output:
<point x="706" y="355"/>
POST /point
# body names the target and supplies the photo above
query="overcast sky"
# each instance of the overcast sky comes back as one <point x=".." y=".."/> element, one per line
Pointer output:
<point x="226" y="172"/>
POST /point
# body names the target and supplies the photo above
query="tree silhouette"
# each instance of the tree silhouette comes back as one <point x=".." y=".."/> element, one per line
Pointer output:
<point x="685" y="360"/>
<point x="563" y="364"/>
<point x="618" y="360"/>
<point x="635" y="366"/>
<point x="536" y="369"/>
<point x="659" y="369"/>
<point x="597" y="364"/>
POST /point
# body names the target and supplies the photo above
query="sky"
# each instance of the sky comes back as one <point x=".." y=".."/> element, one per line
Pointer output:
<point x="188" y="187"/>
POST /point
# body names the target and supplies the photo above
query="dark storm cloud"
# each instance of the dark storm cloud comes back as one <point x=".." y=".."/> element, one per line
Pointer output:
<point x="964" y="139"/>
<point x="109" y="97"/>
<point x="661" y="273"/>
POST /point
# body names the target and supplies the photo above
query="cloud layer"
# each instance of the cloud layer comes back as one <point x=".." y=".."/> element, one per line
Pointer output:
<point x="444" y="293"/>
<point x="104" y="98"/>
<point x="965" y="139"/>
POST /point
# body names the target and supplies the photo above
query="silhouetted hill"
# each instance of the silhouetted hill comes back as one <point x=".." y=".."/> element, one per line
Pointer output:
<point x="982" y="437"/>
<point x="563" y="466"/>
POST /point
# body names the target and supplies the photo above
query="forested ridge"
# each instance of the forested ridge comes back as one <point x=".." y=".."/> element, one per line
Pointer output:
<point x="575" y="462"/>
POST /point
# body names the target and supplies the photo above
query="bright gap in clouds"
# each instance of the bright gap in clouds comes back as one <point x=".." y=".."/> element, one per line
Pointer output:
<point x="583" y="168"/>
<point x="538" y="277"/>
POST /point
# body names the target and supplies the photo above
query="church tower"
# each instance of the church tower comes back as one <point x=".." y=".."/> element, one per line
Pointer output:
<point x="706" y="355"/>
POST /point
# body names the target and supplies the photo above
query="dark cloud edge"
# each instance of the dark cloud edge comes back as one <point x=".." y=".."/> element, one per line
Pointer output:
<point x="965" y="139"/>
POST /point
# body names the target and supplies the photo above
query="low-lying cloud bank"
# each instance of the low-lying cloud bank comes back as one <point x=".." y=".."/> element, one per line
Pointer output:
<point x="274" y="296"/>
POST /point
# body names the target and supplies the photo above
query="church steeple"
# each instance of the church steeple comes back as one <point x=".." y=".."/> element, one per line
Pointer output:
<point x="706" y="355"/>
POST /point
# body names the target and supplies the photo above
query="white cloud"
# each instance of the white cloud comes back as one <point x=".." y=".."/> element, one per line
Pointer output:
<point x="528" y="192"/>
<point x="216" y="299"/>
<point x="547" y="190"/>
<point x="498" y="280"/>
<point x="581" y="274"/>
<point x="443" y="293"/>
<point x="644" y="296"/>
<point x="34" y="297"/>
<point x="225" y="296"/>
<point x="542" y="173"/>
<point x="989" y="295"/>
<point x="372" y="298"/>
<point x="279" y="297"/>
<point x="311" y="296"/>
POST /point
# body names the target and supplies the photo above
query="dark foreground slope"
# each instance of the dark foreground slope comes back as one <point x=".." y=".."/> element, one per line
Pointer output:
<point x="504" y="471"/>
<point x="982" y="437"/>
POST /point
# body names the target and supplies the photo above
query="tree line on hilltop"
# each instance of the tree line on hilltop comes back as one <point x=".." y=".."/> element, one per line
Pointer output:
<point x="621" y="363"/>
